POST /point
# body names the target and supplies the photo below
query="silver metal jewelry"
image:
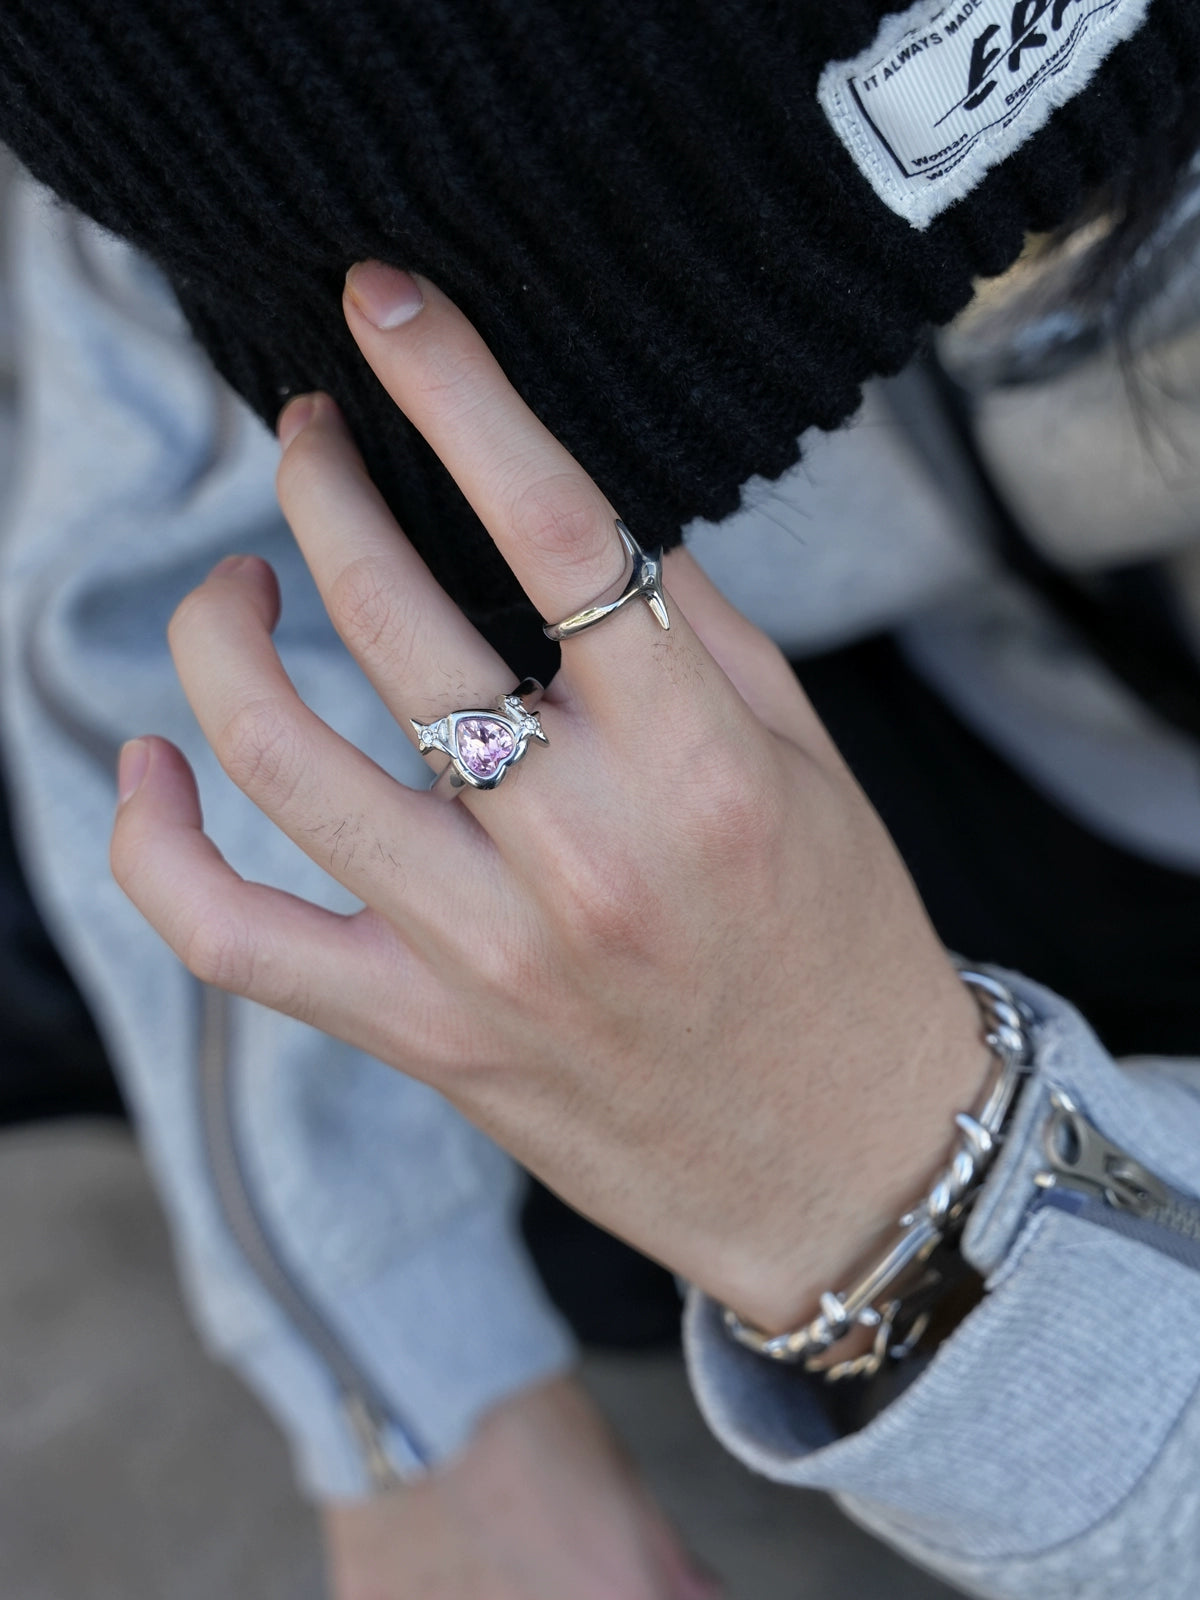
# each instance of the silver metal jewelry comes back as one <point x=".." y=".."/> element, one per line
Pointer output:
<point x="877" y="1301"/>
<point x="645" y="583"/>
<point x="482" y="743"/>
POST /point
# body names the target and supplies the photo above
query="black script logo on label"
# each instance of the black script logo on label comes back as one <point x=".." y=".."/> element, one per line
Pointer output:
<point x="949" y="90"/>
<point x="1024" y="34"/>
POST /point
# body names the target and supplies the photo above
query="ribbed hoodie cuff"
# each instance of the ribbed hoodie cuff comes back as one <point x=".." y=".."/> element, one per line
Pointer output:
<point x="1043" y="1413"/>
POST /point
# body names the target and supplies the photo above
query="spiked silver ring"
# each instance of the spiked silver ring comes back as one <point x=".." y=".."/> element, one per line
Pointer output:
<point x="483" y="744"/>
<point x="645" y="583"/>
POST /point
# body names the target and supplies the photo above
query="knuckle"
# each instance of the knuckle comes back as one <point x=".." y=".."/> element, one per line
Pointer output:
<point x="727" y="791"/>
<point x="217" y="950"/>
<point x="371" y="617"/>
<point x="514" y="963"/>
<point x="561" y="519"/>
<point x="732" y="815"/>
<point x="258" y="749"/>
<point x="225" y="951"/>
<point x="607" y="906"/>
<point x="454" y="372"/>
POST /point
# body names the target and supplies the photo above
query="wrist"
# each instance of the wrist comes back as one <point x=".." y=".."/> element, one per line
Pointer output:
<point x="896" y="1145"/>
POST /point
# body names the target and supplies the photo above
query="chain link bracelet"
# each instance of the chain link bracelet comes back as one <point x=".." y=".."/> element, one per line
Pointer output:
<point x="895" y="1298"/>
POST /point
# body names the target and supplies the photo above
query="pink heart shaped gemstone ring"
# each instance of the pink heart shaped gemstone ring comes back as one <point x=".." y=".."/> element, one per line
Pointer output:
<point x="483" y="744"/>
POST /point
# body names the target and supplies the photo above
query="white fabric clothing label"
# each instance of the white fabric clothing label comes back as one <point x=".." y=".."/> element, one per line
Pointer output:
<point x="949" y="90"/>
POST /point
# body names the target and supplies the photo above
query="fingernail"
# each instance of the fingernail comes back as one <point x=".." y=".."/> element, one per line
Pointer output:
<point x="228" y="565"/>
<point x="386" y="296"/>
<point x="295" y="417"/>
<point x="131" y="768"/>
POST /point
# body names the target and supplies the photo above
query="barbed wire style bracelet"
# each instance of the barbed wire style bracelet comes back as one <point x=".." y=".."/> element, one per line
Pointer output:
<point x="895" y="1299"/>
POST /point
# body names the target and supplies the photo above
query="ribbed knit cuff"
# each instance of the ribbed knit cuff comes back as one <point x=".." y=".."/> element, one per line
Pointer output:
<point x="1045" y="1410"/>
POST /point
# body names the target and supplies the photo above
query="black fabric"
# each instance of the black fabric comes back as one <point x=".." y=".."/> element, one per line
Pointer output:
<point x="1005" y="875"/>
<point x="639" y="202"/>
<point x="51" y="1060"/>
<point x="613" y="1297"/>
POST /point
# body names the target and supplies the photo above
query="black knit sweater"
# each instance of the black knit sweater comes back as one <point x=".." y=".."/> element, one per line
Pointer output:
<point x="639" y="203"/>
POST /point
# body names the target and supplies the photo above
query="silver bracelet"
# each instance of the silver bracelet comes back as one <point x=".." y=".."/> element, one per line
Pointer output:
<point x="894" y="1298"/>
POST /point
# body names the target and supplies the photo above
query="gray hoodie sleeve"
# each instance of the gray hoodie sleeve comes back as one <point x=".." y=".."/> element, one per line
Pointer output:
<point x="1050" y="1448"/>
<point x="346" y="1240"/>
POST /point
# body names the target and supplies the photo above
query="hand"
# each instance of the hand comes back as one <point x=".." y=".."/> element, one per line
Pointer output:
<point x="542" y="1505"/>
<point x="674" y="963"/>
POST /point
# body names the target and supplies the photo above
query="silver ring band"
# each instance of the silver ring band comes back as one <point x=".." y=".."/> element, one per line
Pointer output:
<point x="645" y="583"/>
<point x="483" y="743"/>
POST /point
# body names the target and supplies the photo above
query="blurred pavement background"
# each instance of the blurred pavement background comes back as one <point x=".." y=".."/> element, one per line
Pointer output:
<point x="132" y="1468"/>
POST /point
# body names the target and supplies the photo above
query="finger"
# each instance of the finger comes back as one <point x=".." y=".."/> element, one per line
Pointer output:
<point x="552" y="524"/>
<point x="425" y="864"/>
<point x="418" y="650"/>
<point x="754" y="664"/>
<point x="413" y="643"/>
<point x="243" y="937"/>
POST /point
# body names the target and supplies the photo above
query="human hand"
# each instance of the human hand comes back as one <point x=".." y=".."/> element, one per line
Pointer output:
<point x="673" y="964"/>
<point x="542" y="1504"/>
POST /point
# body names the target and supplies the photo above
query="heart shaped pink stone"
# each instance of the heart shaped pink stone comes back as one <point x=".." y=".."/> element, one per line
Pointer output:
<point x="484" y="744"/>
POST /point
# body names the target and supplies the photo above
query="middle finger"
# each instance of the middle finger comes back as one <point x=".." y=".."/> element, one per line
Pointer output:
<point x="552" y="524"/>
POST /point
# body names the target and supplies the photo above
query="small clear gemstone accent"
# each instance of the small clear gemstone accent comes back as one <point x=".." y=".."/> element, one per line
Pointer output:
<point x="484" y="744"/>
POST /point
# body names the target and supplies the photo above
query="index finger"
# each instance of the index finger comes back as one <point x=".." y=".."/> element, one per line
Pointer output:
<point x="551" y="523"/>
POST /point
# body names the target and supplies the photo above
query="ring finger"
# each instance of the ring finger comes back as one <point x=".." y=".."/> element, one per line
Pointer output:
<point x="400" y="851"/>
<point x="416" y="647"/>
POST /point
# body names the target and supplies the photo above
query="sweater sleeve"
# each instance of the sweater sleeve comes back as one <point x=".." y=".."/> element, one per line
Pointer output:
<point x="347" y="1242"/>
<point x="1049" y="1448"/>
